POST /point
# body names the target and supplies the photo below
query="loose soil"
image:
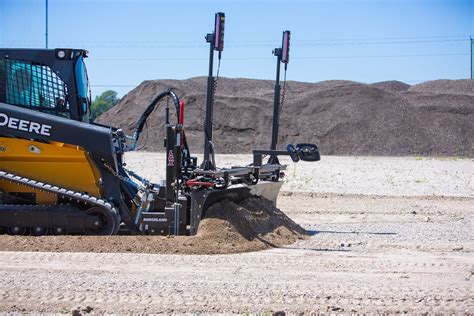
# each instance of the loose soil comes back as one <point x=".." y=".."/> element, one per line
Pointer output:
<point x="251" y="225"/>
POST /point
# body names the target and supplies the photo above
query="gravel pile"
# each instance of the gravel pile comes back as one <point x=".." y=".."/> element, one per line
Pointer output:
<point x="446" y="86"/>
<point x="391" y="86"/>
<point x="343" y="117"/>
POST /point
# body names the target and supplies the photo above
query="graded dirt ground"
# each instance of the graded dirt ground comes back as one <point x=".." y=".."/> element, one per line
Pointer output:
<point x="367" y="254"/>
<point x="410" y="252"/>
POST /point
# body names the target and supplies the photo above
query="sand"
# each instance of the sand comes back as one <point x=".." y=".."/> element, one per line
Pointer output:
<point x="393" y="176"/>
<point x="367" y="253"/>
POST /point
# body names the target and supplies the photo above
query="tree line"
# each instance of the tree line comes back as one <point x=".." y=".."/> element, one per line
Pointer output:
<point x="103" y="103"/>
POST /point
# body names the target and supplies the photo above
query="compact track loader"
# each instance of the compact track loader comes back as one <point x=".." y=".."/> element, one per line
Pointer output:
<point x="62" y="174"/>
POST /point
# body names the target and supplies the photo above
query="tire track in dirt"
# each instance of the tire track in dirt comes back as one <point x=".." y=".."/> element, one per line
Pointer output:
<point x="282" y="278"/>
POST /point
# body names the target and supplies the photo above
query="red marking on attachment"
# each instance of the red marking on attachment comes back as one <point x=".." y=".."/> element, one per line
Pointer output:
<point x="181" y="112"/>
<point x="181" y="120"/>
<point x="192" y="183"/>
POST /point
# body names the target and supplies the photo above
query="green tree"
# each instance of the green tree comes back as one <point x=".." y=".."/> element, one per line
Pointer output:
<point x="103" y="103"/>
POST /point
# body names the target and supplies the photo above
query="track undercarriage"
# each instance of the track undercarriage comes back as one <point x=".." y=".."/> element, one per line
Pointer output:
<point x="75" y="213"/>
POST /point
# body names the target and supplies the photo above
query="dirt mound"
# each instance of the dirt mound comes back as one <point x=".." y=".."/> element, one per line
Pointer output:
<point x="251" y="225"/>
<point x="446" y="86"/>
<point x="343" y="117"/>
<point x="391" y="86"/>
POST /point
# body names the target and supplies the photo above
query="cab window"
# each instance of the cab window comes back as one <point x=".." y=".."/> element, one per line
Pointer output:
<point x="83" y="89"/>
<point x="33" y="86"/>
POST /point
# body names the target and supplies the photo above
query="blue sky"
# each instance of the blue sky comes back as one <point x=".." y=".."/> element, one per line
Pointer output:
<point x="368" y="41"/>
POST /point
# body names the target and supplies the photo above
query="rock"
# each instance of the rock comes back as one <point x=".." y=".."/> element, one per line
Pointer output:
<point x="335" y="309"/>
<point x="76" y="312"/>
<point x="88" y="309"/>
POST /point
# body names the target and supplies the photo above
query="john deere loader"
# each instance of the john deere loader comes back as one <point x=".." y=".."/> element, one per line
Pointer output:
<point x="60" y="173"/>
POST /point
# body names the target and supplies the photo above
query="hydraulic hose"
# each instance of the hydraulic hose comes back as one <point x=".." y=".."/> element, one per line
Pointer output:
<point x="141" y="122"/>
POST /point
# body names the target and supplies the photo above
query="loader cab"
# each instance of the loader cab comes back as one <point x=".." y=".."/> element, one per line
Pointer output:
<point x="52" y="81"/>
